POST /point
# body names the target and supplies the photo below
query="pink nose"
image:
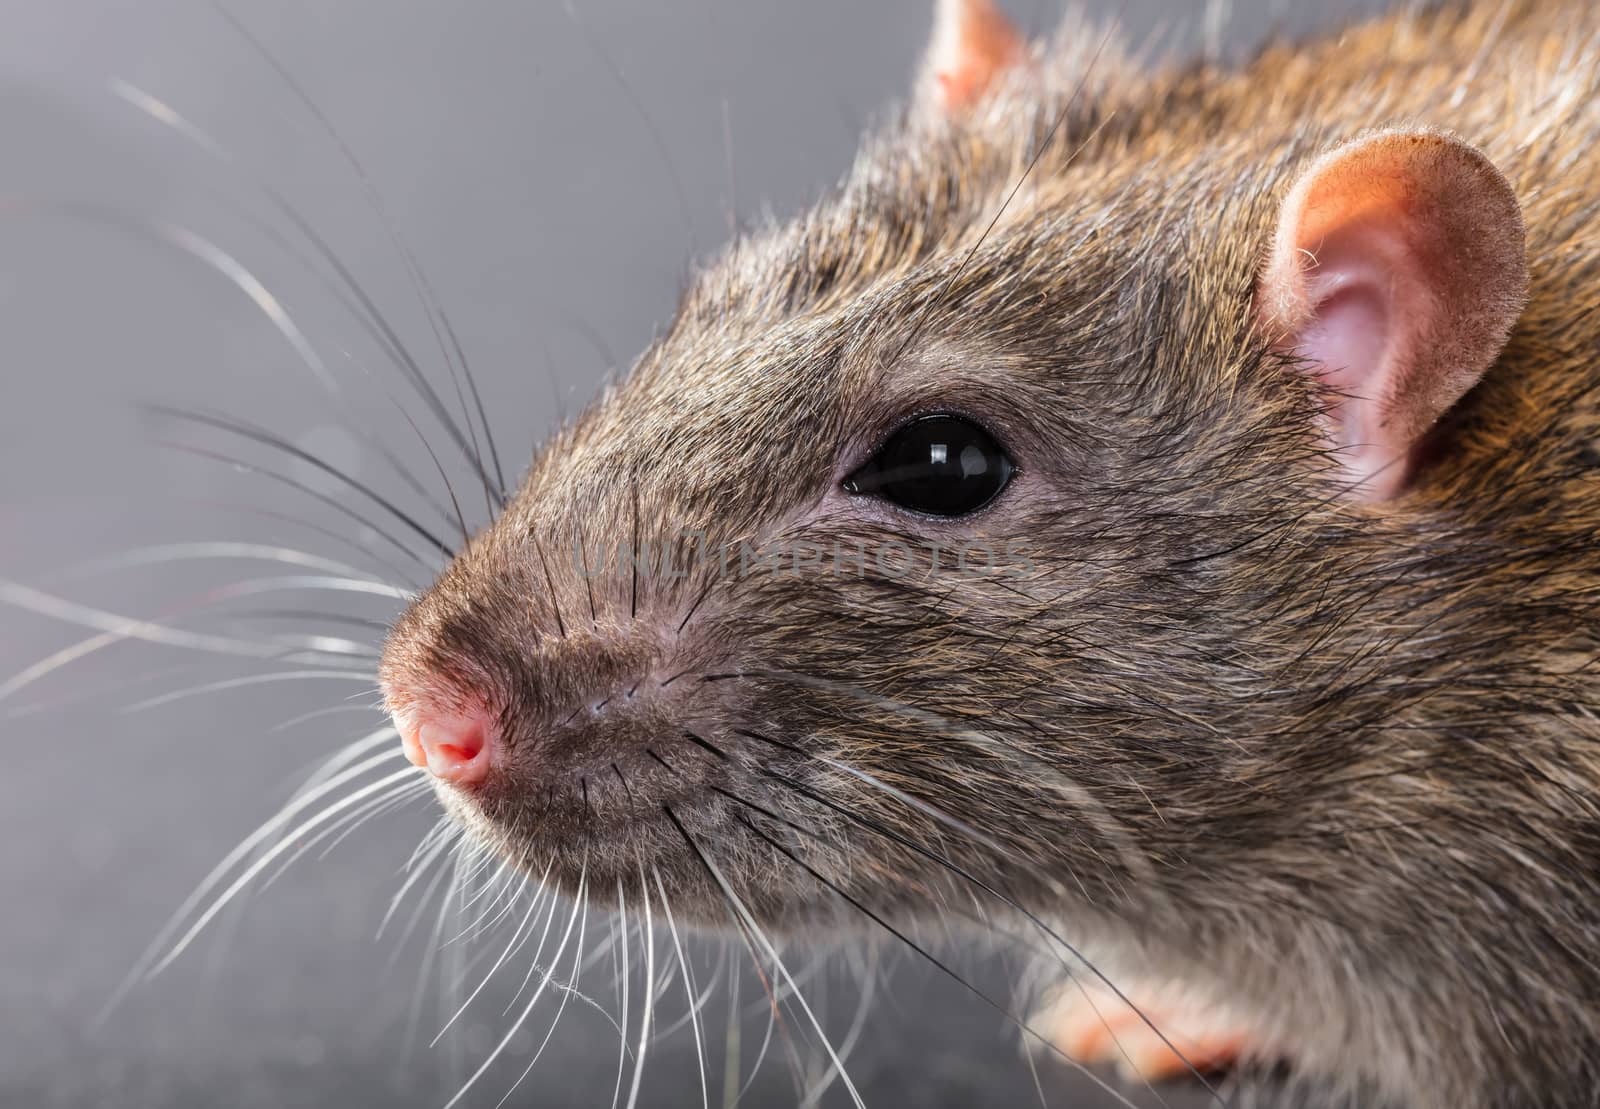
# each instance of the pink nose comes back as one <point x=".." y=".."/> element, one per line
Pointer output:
<point x="455" y="749"/>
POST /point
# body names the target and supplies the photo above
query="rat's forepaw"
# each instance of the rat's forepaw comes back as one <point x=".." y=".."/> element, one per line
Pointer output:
<point x="1090" y="1024"/>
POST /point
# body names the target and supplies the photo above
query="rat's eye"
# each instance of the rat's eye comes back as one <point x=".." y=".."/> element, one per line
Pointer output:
<point x="938" y="465"/>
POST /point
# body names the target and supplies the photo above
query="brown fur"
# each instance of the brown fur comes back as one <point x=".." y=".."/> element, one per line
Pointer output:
<point x="1335" y="763"/>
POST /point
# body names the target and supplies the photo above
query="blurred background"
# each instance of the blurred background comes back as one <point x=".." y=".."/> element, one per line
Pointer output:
<point x="552" y="172"/>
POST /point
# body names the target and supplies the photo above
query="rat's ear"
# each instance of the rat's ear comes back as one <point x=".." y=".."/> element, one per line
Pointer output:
<point x="1398" y="270"/>
<point x="972" y="42"/>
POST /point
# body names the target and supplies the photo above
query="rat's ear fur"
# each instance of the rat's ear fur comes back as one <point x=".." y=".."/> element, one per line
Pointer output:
<point x="972" y="42"/>
<point x="1398" y="270"/>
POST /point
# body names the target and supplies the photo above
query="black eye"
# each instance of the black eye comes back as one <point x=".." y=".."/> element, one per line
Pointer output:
<point x="938" y="465"/>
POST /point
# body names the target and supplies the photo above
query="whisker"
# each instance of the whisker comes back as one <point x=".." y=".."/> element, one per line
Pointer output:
<point x="147" y="964"/>
<point x="555" y="603"/>
<point x="419" y="865"/>
<point x="250" y="872"/>
<point x="431" y="952"/>
<point x="267" y="439"/>
<point x="756" y="932"/>
<point x="620" y="921"/>
<point x="351" y="822"/>
<point x="241" y="683"/>
<point x="532" y="1001"/>
<point x="511" y="946"/>
<point x="851" y="1037"/>
<point x="936" y="962"/>
<point x="394" y="574"/>
<point x="420" y="284"/>
<point x="648" y="1009"/>
<point x="196" y="246"/>
<point x="535" y="964"/>
<point x="344" y="757"/>
<point x="995" y="747"/>
<point x="566" y="995"/>
<point x="962" y="872"/>
<point x="373" y="319"/>
<point x="638" y="106"/>
<point x="113" y="629"/>
<point x="163" y="553"/>
<point x="1033" y="162"/>
<point x="301" y="487"/>
<point x="461" y="520"/>
<point x="689" y="990"/>
<point x="116" y="629"/>
<point x="86" y="692"/>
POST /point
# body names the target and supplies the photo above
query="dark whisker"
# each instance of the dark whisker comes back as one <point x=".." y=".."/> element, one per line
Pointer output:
<point x="638" y="106"/>
<point x="900" y="935"/>
<point x="301" y="487"/>
<point x="477" y="400"/>
<point x="746" y="926"/>
<point x="704" y="593"/>
<point x="962" y="872"/>
<point x="705" y="745"/>
<point x="1038" y="153"/>
<point x="667" y="765"/>
<point x="268" y="439"/>
<point x="461" y="520"/>
<point x="414" y="272"/>
<point x="626" y="788"/>
<point x="555" y="603"/>
<point x="633" y="558"/>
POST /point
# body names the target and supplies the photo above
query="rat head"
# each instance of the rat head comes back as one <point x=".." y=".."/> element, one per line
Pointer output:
<point x="961" y="525"/>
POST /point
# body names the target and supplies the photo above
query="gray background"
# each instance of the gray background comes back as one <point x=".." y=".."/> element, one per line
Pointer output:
<point x="554" y="177"/>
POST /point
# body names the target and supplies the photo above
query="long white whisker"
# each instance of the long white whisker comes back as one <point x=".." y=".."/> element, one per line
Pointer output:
<point x="689" y="989"/>
<point x="347" y="824"/>
<point x="760" y="937"/>
<point x="648" y="1009"/>
<point x="566" y="995"/>
<point x="419" y="868"/>
<point x="315" y="714"/>
<point x="343" y="757"/>
<point x="620" y="919"/>
<point x="266" y="859"/>
<point x="431" y="950"/>
<point x="369" y="586"/>
<point x="847" y="1045"/>
<point x="296" y="804"/>
<point x="210" y="551"/>
<point x="532" y="1001"/>
<point x="527" y="918"/>
<point x="252" y="680"/>
<point x="113" y="629"/>
<point x="506" y="889"/>
<point x="534" y="964"/>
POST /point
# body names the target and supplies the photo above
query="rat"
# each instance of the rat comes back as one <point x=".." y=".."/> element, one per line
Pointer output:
<point x="1161" y="501"/>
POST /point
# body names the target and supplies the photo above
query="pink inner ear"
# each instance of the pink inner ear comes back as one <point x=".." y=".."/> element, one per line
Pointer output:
<point x="1355" y="341"/>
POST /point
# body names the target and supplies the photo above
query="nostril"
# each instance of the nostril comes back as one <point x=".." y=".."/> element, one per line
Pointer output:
<point x="455" y="749"/>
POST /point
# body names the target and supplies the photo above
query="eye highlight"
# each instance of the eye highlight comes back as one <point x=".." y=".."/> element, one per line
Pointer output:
<point x="940" y="465"/>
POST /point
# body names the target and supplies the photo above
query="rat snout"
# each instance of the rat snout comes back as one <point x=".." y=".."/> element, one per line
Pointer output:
<point x="454" y="746"/>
